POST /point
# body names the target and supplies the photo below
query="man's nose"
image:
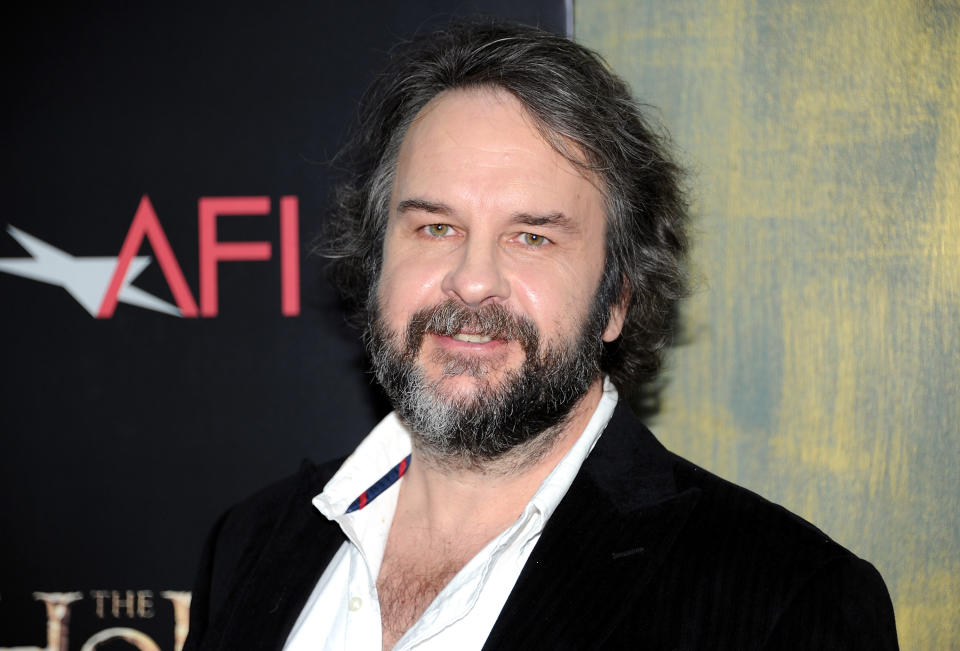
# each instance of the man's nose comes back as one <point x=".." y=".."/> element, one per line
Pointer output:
<point x="477" y="275"/>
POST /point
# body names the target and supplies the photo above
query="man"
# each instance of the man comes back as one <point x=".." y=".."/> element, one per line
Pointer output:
<point x="512" y="242"/>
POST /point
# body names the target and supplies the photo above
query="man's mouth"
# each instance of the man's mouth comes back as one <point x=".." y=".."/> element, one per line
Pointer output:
<point x="475" y="330"/>
<point x="471" y="338"/>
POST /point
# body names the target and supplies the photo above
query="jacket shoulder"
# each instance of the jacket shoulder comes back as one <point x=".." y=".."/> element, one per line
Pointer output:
<point x="239" y="537"/>
<point x="744" y="515"/>
<point x="255" y="517"/>
<point x="777" y="576"/>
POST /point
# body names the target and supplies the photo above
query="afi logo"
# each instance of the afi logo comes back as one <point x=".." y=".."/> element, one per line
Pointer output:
<point x="99" y="283"/>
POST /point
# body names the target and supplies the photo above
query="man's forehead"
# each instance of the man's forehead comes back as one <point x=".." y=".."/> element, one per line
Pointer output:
<point x="454" y="115"/>
<point x="476" y="133"/>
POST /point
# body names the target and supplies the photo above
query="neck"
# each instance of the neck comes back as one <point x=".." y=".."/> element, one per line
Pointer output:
<point x="444" y="496"/>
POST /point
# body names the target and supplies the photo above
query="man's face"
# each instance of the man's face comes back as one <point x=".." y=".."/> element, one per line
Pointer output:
<point x="493" y="253"/>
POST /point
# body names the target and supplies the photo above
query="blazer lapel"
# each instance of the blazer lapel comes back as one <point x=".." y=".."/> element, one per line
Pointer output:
<point x="600" y="548"/>
<point x="279" y="584"/>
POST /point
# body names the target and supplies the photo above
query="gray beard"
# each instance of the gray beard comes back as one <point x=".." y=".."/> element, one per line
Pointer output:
<point x="523" y="412"/>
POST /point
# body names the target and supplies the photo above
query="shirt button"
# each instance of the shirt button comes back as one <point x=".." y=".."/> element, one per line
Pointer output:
<point x="355" y="604"/>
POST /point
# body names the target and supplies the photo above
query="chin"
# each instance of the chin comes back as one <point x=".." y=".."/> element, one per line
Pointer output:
<point x="469" y="371"/>
<point x="461" y="388"/>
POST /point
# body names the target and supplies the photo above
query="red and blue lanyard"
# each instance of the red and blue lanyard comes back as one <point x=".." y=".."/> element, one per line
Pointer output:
<point x="380" y="485"/>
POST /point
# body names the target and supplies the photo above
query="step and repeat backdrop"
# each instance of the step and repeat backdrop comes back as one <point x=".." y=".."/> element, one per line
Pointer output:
<point x="169" y="343"/>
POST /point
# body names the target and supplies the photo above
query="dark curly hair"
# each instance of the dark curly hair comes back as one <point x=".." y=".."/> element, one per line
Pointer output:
<point x="586" y="113"/>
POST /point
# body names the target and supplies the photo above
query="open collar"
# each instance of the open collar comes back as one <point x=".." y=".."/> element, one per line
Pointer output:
<point x="607" y="537"/>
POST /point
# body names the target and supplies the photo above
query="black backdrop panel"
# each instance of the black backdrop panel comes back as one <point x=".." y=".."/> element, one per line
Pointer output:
<point x="125" y="429"/>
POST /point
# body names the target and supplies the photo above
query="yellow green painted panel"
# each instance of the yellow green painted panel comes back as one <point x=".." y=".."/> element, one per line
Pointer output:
<point x="823" y="368"/>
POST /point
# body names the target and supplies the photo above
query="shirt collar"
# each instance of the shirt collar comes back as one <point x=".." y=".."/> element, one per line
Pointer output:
<point x="389" y="443"/>
<point x="382" y="449"/>
<point x="556" y="484"/>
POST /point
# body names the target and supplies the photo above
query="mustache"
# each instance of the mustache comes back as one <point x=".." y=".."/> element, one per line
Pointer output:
<point x="493" y="320"/>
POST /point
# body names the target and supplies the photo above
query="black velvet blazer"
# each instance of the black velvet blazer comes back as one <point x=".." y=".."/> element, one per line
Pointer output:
<point x="646" y="551"/>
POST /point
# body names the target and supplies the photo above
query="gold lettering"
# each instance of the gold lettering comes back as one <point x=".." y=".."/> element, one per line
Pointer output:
<point x="58" y="620"/>
<point x="139" y="602"/>
<point x="145" y="604"/>
<point x="58" y="617"/>
<point x="133" y="636"/>
<point x="98" y="597"/>
<point x="181" y="616"/>
<point x="117" y="603"/>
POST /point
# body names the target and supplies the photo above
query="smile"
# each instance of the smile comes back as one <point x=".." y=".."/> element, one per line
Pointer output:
<point x="473" y="339"/>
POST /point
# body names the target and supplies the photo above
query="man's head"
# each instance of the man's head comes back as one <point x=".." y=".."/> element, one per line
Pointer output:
<point x="512" y="227"/>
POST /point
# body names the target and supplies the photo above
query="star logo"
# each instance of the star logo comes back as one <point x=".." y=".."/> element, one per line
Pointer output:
<point x="99" y="283"/>
<point x="86" y="278"/>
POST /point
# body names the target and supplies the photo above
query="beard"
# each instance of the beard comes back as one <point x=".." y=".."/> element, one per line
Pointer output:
<point x="523" y="410"/>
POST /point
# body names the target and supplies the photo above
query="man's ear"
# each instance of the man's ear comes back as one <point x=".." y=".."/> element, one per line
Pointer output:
<point x="618" y="313"/>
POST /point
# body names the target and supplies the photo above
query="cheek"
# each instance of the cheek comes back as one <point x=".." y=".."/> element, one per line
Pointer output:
<point x="556" y="301"/>
<point x="406" y="284"/>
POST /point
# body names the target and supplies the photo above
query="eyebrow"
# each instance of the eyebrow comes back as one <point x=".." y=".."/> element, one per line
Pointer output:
<point x="423" y="205"/>
<point x="553" y="219"/>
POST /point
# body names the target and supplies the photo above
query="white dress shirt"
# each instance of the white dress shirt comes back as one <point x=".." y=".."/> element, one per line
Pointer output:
<point x="343" y="612"/>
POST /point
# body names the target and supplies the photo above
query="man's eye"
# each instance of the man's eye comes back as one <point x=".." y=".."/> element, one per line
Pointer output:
<point x="534" y="240"/>
<point x="438" y="230"/>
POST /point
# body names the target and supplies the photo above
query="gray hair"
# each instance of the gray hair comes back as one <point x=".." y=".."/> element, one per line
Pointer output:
<point x="586" y="113"/>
